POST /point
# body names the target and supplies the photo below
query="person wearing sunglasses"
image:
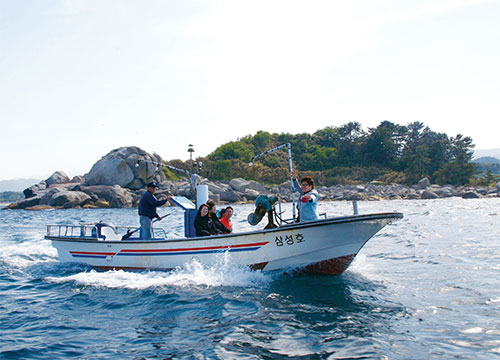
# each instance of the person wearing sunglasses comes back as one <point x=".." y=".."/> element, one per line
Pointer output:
<point x="307" y="200"/>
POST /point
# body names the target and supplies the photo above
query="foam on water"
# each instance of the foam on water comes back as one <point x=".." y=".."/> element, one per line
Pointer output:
<point x="222" y="273"/>
<point x="25" y="254"/>
<point x="474" y="330"/>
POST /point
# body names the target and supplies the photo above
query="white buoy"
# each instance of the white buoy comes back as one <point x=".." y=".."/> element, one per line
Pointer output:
<point x="201" y="195"/>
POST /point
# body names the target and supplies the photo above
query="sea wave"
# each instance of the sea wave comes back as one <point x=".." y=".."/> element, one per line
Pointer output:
<point x="26" y="254"/>
<point x="192" y="274"/>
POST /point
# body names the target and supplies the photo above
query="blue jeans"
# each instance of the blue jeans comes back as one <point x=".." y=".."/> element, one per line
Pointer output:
<point x="146" y="227"/>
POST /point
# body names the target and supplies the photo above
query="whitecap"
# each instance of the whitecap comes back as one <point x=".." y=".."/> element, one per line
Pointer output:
<point x="473" y="330"/>
<point x="493" y="301"/>
<point x="25" y="254"/>
<point x="222" y="273"/>
<point x="463" y="343"/>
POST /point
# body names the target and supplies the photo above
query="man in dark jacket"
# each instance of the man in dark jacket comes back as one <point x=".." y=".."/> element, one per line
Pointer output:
<point x="147" y="210"/>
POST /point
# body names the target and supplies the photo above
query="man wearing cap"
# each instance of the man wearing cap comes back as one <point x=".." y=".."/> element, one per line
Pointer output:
<point x="147" y="210"/>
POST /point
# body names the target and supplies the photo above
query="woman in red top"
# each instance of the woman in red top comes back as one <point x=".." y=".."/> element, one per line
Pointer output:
<point x="226" y="216"/>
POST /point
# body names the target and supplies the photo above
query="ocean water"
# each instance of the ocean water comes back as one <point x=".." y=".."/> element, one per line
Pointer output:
<point x="426" y="287"/>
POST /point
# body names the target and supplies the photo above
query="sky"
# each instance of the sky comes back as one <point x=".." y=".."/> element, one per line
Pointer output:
<point x="79" y="78"/>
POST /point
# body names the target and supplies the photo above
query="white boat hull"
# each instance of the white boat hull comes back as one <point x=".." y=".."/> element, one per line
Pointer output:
<point x="325" y="246"/>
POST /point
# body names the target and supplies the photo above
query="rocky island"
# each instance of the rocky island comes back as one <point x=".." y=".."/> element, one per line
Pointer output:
<point x="119" y="178"/>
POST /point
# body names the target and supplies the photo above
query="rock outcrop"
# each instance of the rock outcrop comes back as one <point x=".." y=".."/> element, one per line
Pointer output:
<point x="58" y="177"/>
<point x="129" y="167"/>
<point x="69" y="199"/>
<point x="35" y="189"/>
<point x="423" y="184"/>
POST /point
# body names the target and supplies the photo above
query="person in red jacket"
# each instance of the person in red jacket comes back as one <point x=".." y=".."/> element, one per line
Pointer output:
<point x="225" y="218"/>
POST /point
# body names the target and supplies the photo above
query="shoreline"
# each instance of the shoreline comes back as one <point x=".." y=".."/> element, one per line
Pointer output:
<point x="235" y="191"/>
<point x="222" y="193"/>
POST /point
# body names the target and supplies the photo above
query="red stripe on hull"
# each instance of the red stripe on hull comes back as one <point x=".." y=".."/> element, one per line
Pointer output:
<point x="334" y="266"/>
<point x="222" y="247"/>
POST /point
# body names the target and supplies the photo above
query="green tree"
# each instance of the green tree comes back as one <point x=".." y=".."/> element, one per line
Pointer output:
<point x="383" y="146"/>
<point x="458" y="170"/>
<point x="349" y="141"/>
<point x="488" y="179"/>
<point x="389" y="152"/>
<point x="415" y="157"/>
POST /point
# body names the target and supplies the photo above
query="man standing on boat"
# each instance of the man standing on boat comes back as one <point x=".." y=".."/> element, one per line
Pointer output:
<point x="308" y="198"/>
<point x="147" y="210"/>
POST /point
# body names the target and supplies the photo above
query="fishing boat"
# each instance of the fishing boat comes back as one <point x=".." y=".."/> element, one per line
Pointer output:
<point x="325" y="246"/>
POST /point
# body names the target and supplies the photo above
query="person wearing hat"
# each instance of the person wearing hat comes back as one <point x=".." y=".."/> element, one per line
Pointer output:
<point x="147" y="210"/>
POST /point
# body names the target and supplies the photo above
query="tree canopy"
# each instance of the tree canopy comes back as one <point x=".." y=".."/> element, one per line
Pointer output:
<point x="349" y="154"/>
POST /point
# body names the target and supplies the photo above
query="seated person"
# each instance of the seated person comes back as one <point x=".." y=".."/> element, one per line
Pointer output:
<point x="203" y="224"/>
<point x="212" y="212"/>
<point x="225" y="217"/>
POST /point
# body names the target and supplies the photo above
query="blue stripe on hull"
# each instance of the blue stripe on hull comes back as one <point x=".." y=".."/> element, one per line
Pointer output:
<point x="90" y="256"/>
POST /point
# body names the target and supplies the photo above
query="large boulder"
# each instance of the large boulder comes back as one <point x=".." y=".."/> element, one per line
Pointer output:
<point x="59" y="177"/>
<point x="217" y="188"/>
<point x="35" y="189"/>
<point x="115" y="195"/>
<point x="423" y="184"/>
<point x="129" y="167"/>
<point x="230" y="196"/>
<point x="77" y="179"/>
<point x="444" y="192"/>
<point x="110" y="171"/>
<point x="428" y="195"/>
<point x="470" y="195"/>
<point x="46" y="197"/>
<point x="412" y="196"/>
<point x="239" y="184"/>
<point x="254" y="185"/>
<point x="69" y="199"/>
<point x="251" y="194"/>
<point x="120" y="197"/>
<point x="242" y="185"/>
<point x="24" y="203"/>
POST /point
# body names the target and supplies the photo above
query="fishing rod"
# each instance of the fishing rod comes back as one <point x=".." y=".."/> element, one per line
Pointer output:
<point x="157" y="164"/>
<point x="185" y="172"/>
<point x="289" y="165"/>
<point x="129" y="233"/>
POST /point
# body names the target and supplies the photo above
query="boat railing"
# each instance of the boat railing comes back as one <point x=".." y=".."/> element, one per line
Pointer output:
<point x="78" y="231"/>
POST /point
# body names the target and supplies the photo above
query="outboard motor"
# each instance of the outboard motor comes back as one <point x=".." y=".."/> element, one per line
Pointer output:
<point x="263" y="204"/>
